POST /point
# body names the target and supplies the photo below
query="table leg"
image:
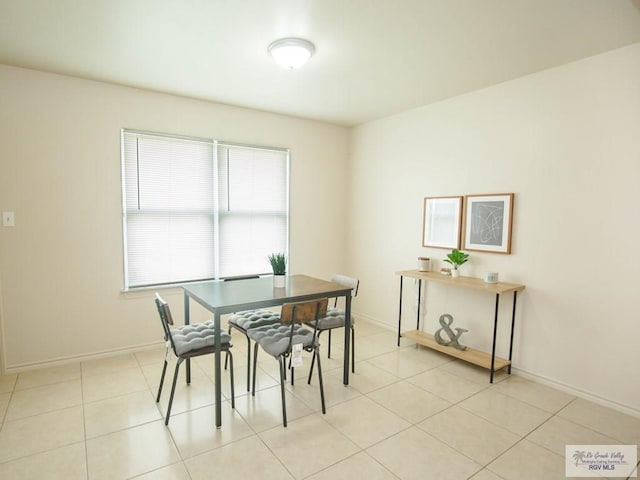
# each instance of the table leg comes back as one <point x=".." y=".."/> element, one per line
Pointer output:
<point x="419" y="302"/>
<point x="347" y="336"/>
<point x="513" y="322"/>
<point x="495" y="332"/>
<point x="218" y="371"/>
<point x="186" y="322"/>
<point x="400" y="311"/>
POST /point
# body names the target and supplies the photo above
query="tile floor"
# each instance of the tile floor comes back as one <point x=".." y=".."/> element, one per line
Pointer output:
<point x="409" y="413"/>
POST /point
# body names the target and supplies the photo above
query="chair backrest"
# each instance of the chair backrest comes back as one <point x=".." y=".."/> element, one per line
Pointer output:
<point x="165" y="317"/>
<point x="304" y="312"/>
<point x="354" y="283"/>
<point x="241" y="277"/>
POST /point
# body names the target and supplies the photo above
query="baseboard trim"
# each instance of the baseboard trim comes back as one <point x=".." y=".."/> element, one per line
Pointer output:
<point x="367" y="318"/>
<point x="24" y="367"/>
<point x="577" y="392"/>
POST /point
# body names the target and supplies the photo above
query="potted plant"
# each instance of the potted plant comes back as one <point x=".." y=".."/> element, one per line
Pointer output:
<point x="456" y="258"/>
<point x="278" y="263"/>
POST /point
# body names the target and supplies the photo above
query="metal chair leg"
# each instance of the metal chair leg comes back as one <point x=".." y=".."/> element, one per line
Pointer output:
<point x="313" y="360"/>
<point x="233" y="390"/>
<point x="164" y="370"/>
<point x="329" y="346"/>
<point x="173" y="390"/>
<point x="226" y="359"/>
<point x="324" y="410"/>
<point x="255" y="367"/>
<point x="282" y="380"/>
<point x="248" y="360"/>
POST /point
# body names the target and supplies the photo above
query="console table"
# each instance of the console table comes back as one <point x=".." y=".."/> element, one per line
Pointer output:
<point x="482" y="359"/>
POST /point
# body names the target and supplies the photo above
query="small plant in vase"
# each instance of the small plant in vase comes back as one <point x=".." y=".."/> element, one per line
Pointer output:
<point x="456" y="258"/>
<point x="278" y="263"/>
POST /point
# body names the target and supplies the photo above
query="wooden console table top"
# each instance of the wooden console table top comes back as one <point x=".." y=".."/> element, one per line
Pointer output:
<point x="462" y="281"/>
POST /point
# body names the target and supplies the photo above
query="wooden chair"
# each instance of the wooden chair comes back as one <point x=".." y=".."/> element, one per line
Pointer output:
<point x="279" y="341"/>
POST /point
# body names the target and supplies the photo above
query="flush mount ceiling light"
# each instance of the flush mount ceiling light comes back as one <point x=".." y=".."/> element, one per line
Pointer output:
<point x="291" y="53"/>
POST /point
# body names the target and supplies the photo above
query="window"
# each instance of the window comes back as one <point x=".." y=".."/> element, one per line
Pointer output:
<point x="198" y="209"/>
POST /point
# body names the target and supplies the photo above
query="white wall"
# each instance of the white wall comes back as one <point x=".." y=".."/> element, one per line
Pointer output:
<point x="61" y="266"/>
<point x="566" y="141"/>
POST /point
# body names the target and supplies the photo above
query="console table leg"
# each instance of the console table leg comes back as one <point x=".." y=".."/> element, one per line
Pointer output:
<point x="513" y="323"/>
<point x="495" y="332"/>
<point x="400" y="310"/>
<point x="419" y="302"/>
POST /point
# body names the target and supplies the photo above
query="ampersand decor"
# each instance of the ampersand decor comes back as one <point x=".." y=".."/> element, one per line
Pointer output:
<point x="453" y="337"/>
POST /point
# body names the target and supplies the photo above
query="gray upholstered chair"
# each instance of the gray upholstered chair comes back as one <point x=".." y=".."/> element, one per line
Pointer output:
<point x="335" y="319"/>
<point x="279" y="340"/>
<point x="247" y="320"/>
<point x="243" y="321"/>
<point x="186" y="342"/>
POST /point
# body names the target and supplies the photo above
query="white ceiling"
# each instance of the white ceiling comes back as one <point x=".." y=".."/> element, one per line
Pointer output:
<point x="373" y="57"/>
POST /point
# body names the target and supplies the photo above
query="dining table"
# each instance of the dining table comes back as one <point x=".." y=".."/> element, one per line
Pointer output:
<point x="221" y="298"/>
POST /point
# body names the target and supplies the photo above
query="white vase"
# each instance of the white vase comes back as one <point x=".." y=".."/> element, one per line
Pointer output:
<point x="279" y="281"/>
<point x="455" y="273"/>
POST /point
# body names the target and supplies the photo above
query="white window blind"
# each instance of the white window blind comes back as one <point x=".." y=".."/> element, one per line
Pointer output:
<point x="253" y="217"/>
<point x="194" y="210"/>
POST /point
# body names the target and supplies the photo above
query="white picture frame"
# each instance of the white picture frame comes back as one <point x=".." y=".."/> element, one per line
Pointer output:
<point x="442" y="222"/>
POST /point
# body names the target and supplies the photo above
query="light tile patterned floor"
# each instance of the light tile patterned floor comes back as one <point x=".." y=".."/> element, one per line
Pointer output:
<point x="409" y="413"/>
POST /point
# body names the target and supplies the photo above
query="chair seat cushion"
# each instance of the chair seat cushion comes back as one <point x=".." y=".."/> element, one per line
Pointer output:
<point x="274" y="339"/>
<point x="253" y="318"/>
<point x="194" y="337"/>
<point x="334" y="319"/>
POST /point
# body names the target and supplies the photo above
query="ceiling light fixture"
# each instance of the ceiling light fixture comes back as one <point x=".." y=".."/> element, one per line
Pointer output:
<point x="291" y="53"/>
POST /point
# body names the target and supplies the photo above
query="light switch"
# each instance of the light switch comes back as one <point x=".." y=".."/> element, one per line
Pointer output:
<point x="8" y="219"/>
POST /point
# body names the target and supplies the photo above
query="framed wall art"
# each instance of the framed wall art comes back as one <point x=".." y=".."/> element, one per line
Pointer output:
<point x="488" y="220"/>
<point x="442" y="222"/>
